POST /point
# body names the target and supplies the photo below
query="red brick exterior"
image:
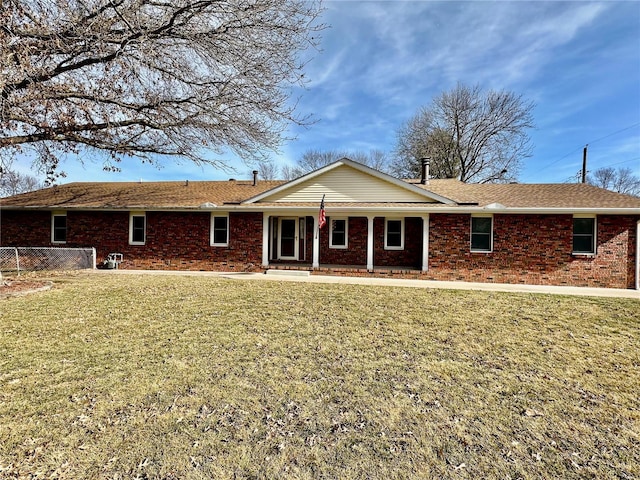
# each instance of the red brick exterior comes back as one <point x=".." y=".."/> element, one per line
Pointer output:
<point x="533" y="249"/>
<point x="527" y="249"/>
<point x="356" y="251"/>
<point x="410" y="256"/>
<point x="174" y="240"/>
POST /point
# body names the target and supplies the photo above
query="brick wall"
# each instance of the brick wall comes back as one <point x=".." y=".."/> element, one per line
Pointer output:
<point x="356" y="251"/>
<point x="410" y="256"/>
<point x="25" y="229"/>
<point x="174" y="240"/>
<point x="533" y="249"/>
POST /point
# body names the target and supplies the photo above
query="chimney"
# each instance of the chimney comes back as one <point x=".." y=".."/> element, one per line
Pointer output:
<point x="255" y="177"/>
<point x="424" y="179"/>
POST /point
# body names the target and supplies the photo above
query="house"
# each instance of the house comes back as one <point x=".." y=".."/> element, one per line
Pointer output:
<point x="555" y="234"/>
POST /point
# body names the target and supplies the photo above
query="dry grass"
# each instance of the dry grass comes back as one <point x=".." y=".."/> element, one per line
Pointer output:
<point x="184" y="377"/>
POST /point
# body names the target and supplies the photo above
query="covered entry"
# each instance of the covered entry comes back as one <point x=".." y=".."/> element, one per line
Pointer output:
<point x="288" y="240"/>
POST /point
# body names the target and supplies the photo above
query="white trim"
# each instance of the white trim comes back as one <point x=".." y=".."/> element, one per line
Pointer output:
<point x="302" y="238"/>
<point x="265" y="239"/>
<point x="476" y="250"/>
<point x="215" y="215"/>
<point x="362" y="211"/>
<point x="595" y="236"/>
<point x="425" y="243"/>
<point x="315" y="261"/>
<point x="295" y="238"/>
<point x="370" y="238"/>
<point x="357" y="166"/>
<point x="54" y="214"/>
<point x="131" y="216"/>
<point x="386" y="223"/>
<point x="346" y="232"/>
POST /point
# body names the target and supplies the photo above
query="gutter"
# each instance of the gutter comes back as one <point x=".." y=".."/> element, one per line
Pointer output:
<point x="256" y="207"/>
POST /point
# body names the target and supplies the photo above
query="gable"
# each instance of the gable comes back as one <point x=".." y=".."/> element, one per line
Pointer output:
<point x="346" y="184"/>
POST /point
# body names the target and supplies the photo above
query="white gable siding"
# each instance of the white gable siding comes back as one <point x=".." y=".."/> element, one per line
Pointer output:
<point x="345" y="184"/>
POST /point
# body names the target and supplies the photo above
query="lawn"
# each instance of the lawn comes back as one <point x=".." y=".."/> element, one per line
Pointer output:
<point x="185" y="377"/>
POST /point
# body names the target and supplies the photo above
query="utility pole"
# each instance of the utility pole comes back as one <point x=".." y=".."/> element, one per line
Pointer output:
<point x="584" y="164"/>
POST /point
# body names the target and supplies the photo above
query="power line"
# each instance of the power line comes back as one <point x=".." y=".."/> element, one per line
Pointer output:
<point x="561" y="158"/>
<point x="624" y="161"/>
<point x="614" y="133"/>
<point x="589" y="143"/>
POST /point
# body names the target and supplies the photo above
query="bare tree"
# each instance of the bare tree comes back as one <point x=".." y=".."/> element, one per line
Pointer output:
<point x="149" y="78"/>
<point x="376" y="159"/>
<point x="288" y="172"/>
<point x="314" y="159"/>
<point x="621" y="180"/>
<point x="13" y="182"/>
<point x="268" y="170"/>
<point x="468" y="134"/>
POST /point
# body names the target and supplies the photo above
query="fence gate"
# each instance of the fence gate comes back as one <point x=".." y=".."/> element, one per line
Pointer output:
<point x="32" y="259"/>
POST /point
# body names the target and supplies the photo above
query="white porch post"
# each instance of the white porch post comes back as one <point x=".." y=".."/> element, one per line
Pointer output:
<point x="316" y="243"/>
<point x="425" y="243"/>
<point x="370" y="242"/>
<point x="265" y="240"/>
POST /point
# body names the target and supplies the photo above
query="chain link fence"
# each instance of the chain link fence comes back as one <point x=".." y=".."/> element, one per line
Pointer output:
<point x="33" y="259"/>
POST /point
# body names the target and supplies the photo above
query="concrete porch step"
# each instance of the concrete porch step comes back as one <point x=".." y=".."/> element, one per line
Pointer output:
<point x="288" y="273"/>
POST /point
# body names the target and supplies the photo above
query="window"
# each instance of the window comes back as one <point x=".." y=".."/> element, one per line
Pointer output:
<point x="393" y="234"/>
<point x="59" y="228"/>
<point x="137" y="228"/>
<point x="338" y="232"/>
<point x="481" y="234"/>
<point x="584" y="235"/>
<point x="220" y="230"/>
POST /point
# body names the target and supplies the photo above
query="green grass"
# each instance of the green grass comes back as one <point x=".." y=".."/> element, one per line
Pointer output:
<point x="184" y="377"/>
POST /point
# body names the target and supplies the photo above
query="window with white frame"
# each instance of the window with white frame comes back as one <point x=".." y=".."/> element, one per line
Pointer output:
<point x="59" y="227"/>
<point x="584" y="235"/>
<point x="137" y="228"/>
<point x="339" y="232"/>
<point x="481" y="233"/>
<point x="220" y="230"/>
<point x="394" y="234"/>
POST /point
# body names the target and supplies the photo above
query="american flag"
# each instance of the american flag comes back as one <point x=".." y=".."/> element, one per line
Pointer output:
<point x="322" y="219"/>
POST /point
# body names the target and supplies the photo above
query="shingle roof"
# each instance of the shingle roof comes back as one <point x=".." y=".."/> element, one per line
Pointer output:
<point x="115" y="195"/>
<point x="194" y="194"/>
<point x="530" y="195"/>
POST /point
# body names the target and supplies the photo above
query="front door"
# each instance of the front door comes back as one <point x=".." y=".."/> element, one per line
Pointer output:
<point x="288" y="239"/>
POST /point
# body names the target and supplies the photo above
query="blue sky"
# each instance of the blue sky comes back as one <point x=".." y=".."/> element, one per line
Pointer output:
<point x="379" y="61"/>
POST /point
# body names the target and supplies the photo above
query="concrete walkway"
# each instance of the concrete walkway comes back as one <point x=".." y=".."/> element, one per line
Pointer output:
<point x="395" y="282"/>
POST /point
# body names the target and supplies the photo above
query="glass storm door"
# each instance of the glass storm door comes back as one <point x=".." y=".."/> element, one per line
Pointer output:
<point x="288" y="239"/>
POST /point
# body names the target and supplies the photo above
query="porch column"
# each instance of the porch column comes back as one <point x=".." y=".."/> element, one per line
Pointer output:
<point x="316" y="243"/>
<point x="425" y="243"/>
<point x="370" y="242"/>
<point x="265" y="240"/>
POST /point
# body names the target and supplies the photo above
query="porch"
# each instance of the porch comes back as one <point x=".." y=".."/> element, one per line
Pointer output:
<point x="350" y="270"/>
<point x="350" y="244"/>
